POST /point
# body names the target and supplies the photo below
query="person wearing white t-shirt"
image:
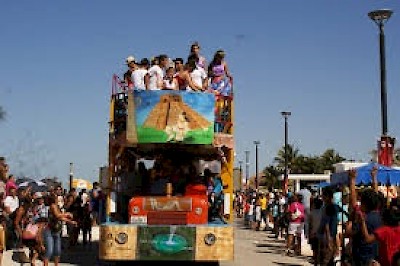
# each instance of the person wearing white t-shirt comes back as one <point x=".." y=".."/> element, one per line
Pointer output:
<point x="156" y="73"/>
<point x="11" y="202"/>
<point x="140" y="76"/>
<point x="199" y="77"/>
<point x="170" y="82"/>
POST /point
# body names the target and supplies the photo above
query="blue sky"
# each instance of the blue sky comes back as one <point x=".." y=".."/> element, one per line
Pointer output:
<point x="317" y="59"/>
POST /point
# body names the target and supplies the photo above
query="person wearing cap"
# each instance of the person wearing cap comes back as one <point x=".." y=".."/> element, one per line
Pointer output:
<point x="130" y="62"/>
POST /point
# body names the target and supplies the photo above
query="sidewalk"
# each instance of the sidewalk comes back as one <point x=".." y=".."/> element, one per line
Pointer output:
<point x="262" y="248"/>
<point x="8" y="259"/>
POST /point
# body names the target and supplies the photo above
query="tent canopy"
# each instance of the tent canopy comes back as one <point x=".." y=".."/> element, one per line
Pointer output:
<point x="385" y="175"/>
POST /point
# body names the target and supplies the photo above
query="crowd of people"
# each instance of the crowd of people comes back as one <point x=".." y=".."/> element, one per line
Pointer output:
<point x="163" y="73"/>
<point x="347" y="224"/>
<point x="37" y="219"/>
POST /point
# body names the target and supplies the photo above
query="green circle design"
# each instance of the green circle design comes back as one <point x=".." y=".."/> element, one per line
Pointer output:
<point x="166" y="244"/>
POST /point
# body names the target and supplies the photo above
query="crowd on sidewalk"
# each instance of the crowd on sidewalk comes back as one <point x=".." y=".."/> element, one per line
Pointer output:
<point x="36" y="219"/>
<point x="344" y="225"/>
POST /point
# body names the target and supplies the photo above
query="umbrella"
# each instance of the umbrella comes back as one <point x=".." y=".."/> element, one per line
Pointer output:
<point x="51" y="182"/>
<point x="323" y="184"/>
<point x="22" y="180"/>
<point x="36" y="186"/>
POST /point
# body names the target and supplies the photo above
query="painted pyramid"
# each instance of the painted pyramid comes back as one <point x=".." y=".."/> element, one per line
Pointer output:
<point x="166" y="113"/>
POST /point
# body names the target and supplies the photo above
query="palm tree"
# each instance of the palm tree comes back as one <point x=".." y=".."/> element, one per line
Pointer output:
<point x="328" y="159"/>
<point x="293" y="153"/>
<point x="271" y="176"/>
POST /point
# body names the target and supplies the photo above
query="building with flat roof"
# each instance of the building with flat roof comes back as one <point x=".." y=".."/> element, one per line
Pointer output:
<point x="308" y="179"/>
<point x="347" y="165"/>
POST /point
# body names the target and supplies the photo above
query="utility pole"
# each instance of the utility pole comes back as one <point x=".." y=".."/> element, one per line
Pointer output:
<point x="256" y="142"/>
<point x="240" y="174"/>
<point x="386" y="143"/>
<point x="71" y="176"/>
<point x="286" y="177"/>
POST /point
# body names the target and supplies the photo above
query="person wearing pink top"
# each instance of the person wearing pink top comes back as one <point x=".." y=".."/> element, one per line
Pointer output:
<point x="296" y="224"/>
<point x="10" y="184"/>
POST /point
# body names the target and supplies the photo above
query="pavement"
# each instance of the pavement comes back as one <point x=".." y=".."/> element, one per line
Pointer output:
<point x="253" y="248"/>
<point x="260" y="248"/>
<point x="79" y="255"/>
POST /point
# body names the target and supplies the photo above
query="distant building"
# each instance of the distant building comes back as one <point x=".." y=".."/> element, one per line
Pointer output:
<point x="103" y="176"/>
<point x="347" y="165"/>
<point x="237" y="179"/>
<point x="307" y="179"/>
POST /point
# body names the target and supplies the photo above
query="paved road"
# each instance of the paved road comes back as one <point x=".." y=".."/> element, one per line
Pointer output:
<point x="252" y="248"/>
<point x="258" y="248"/>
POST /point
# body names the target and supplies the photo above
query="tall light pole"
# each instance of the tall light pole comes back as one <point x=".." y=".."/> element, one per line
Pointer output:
<point x="241" y="174"/>
<point x="247" y="168"/>
<point x="71" y="176"/>
<point x="385" y="147"/>
<point x="256" y="142"/>
<point x="285" y="178"/>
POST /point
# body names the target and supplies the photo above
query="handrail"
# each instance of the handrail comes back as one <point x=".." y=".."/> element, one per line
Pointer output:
<point x="116" y="85"/>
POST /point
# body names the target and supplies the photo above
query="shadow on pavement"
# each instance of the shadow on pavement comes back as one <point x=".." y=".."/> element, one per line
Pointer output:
<point x="271" y="252"/>
<point x="287" y="264"/>
<point x="175" y="263"/>
<point x="87" y="255"/>
<point x="80" y="254"/>
<point x="269" y="246"/>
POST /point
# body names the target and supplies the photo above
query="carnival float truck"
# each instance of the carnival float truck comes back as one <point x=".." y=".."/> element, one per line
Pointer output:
<point x="167" y="135"/>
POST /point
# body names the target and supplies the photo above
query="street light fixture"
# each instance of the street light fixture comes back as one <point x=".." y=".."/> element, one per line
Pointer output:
<point x="240" y="173"/>
<point x="285" y="177"/>
<point x="256" y="142"/>
<point x="380" y="17"/>
<point x="71" y="176"/>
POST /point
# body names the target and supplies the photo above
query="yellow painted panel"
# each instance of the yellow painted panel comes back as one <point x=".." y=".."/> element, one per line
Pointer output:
<point x="222" y="249"/>
<point x="110" y="249"/>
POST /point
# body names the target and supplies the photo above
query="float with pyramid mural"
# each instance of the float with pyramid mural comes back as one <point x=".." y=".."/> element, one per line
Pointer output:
<point x="165" y="116"/>
<point x="165" y="148"/>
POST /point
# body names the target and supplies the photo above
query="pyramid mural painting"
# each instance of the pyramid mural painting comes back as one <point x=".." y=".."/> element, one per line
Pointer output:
<point x="165" y="116"/>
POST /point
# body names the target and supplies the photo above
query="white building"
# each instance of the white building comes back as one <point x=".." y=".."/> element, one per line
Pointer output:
<point x="344" y="166"/>
<point x="309" y="178"/>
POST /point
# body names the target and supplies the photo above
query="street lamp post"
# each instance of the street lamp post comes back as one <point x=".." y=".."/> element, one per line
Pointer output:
<point x="247" y="168"/>
<point x="385" y="147"/>
<point x="240" y="174"/>
<point x="256" y="142"/>
<point x="285" y="178"/>
<point x="71" y="176"/>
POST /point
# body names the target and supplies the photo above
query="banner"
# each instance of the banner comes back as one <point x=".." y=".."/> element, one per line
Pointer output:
<point x="174" y="117"/>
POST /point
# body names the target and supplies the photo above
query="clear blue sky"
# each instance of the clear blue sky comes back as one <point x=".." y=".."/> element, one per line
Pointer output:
<point x="317" y="59"/>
